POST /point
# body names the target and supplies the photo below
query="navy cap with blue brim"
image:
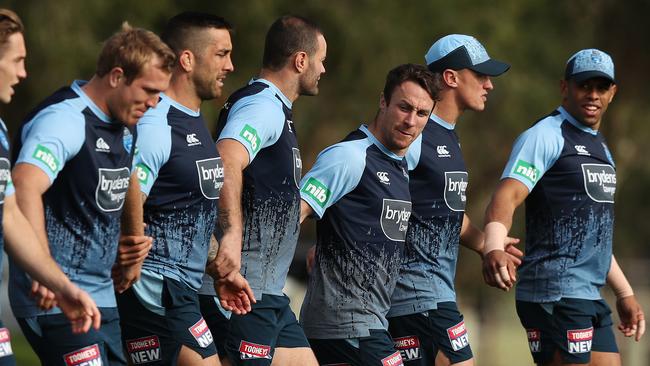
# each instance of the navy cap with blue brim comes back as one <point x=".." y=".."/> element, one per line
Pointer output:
<point x="458" y="51"/>
<point x="588" y="64"/>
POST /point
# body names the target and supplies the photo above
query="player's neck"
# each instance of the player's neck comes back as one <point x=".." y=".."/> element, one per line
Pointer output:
<point x="97" y="90"/>
<point x="448" y="112"/>
<point x="183" y="92"/>
<point x="284" y="80"/>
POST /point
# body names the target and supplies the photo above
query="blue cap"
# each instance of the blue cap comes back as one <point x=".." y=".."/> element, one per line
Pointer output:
<point x="458" y="51"/>
<point x="589" y="63"/>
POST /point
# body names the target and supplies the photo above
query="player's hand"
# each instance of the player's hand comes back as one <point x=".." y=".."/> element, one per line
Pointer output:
<point x="133" y="249"/>
<point x="514" y="254"/>
<point x="228" y="260"/>
<point x="311" y="257"/>
<point x="631" y="316"/>
<point x="79" y="308"/>
<point x="498" y="270"/>
<point x="45" y="299"/>
<point x="125" y="277"/>
<point x="235" y="294"/>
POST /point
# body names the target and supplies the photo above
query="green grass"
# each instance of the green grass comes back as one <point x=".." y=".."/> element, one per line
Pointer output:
<point x="22" y="350"/>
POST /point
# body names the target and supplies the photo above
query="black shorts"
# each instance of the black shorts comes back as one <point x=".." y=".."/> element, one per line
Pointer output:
<point x="6" y="353"/>
<point x="52" y="339"/>
<point x="575" y="327"/>
<point x="253" y="337"/>
<point x="420" y="336"/>
<point x="218" y="322"/>
<point x="375" y="350"/>
<point x="154" y="339"/>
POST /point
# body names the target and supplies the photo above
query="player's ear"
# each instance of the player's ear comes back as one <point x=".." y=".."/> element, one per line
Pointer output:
<point x="301" y="61"/>
<point x="115" y="76"/>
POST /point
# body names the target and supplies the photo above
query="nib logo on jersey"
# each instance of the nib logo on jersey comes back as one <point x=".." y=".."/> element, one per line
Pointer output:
<point x="408" y="347"/>
<point x="88" y="356"/>
<point x="534" y="340"/>
<point x="102" y="146"/>
<point x="317" y="191"/>
<point x="111" y="188"/>
<point x="210" y="173"/>
<point x="5" y="176"/>
<point x="579" y="340"/>
<point x="249" y="350"/>
<point x="600" y="182"/>
<point x="5" y="343"/>
<point x="393" y="360"/>
<point x="201" y="333"/>
<point x="395" y="218"/>
<point x="143" y="350"/>
<point x="458" y="336"/>
<point x="297" y="166"/>
<point x="455" y="187"/>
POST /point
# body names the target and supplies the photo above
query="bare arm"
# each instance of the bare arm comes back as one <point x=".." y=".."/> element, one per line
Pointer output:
<point x="235" y="159"/>
<point x="305" y="210"/>
<point x="471" y="237"/>
<point x="629" y="309"/>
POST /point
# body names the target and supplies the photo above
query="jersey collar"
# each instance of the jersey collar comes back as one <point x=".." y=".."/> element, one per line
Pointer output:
<point x="442" y="122"/>
<point x="567" y="116"/>
<point x="275" y="89"/>
<point x="373" y="139"/>
<point x="76" y="86"/>
<point x="179" y="106"/>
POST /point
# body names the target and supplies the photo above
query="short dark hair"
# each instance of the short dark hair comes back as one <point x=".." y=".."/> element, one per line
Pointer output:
<point x="288" y="35"/>
<point x="180" y="31"/>
<point x="10" y="23"/>
<point x="418" y="74"/>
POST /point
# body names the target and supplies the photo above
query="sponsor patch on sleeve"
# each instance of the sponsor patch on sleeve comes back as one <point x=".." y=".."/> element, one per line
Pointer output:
<point x="143" y="350"/>
<point x="46" y="156"/>
<point x="87" y="356"/>
<point x="5" y="343"/>
<point x="526" y="170"/>
<point x="317" y="191"/>
<point x="250" y="135"/>
<point x="143" y="173"/>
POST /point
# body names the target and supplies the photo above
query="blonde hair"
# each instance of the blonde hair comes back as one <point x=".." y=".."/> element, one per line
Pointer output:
<point x="131" y="49"/>
<point x="10" y="23"/>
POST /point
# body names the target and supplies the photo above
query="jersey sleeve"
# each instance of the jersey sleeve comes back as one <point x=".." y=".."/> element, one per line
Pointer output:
<point x="256" y="122"/>
<point x="336" y="172"/>
<point x="154" y="147"/>
<point x="534" y="152"/>
<point x="413" y="153"/>
<point x="53" y="137"/>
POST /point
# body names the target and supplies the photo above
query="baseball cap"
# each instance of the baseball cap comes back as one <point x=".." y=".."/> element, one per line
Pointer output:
<point x="589" y="63"/>
<point x="458" y="51"/>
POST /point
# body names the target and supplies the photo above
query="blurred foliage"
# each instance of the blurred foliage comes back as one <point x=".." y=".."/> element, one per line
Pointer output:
<point x="366" y="38"/>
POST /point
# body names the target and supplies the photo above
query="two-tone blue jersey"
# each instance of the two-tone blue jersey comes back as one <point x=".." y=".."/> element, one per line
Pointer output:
<point x="571" y="176"/>
<point x="87" y="157"/>
<point x="438" y="181"/>
<point x="6" y="186"/>
<point x="358" y="190"/>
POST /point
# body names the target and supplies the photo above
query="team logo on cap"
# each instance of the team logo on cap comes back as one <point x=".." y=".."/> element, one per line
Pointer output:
<point x="111" y="188"/>
<point x="87" y="356"/>
<point x="458" y="336"/>
<point x="600" y="182"/>
<point x="395" y="218"/>
<point x="579" y="340"/>
<point x="5" y="343"/>
<point x="249" y="350"/>
<point x="210" y="173"/>
<point x="408" y="347"/>
<point x="201" y="333"/>
<point x="144" y="350"/>
<point x="534" y="340"/>
<point x="455" y="187"/>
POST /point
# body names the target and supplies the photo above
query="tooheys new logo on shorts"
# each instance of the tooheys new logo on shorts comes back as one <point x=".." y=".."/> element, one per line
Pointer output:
<point x="87" y="356"/>
<point x="111" y="188"/>
<point x="316" y="191"/>
<point x="458" y="336"/>
<point x="210" y="173"/>
<point x="600" y="182"/>
<point x="5" y="176"/>
<point x="144" y="350"/>
<point x="534" y="339"/>
<point x="395" y="218"/>
<point x="250" y="135"/>
<point x="5" y="343"/>
<point x="408" y="347"/>
<point x="201" y="333"/>
<point x="527" y="170"/>
<point x="44" y="155"/>
<point x="579" y="340"/>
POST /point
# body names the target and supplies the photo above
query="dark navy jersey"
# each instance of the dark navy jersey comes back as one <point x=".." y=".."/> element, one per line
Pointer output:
<point x="88" y="158"/>
<point x="359" y="191"/>
<point x="259" y="117"/>
<point x="438" y="181"/>
<point x="571" y="177"/>
<point x="6" y="186"/>
<point x="180" y="171"/>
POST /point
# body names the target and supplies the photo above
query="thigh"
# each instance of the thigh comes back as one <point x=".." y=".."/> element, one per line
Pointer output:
<point x="449" y="332"/>
<point x="291" y="334"/>
<point x="217" y="319"/>
<point x="412" y="337"/>
<point x="574" y="321"/>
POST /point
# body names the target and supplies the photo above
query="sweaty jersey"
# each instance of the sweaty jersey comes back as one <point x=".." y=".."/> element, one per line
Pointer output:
<point x="180" y="171"/>
<point x="87" y="157"/>
<point x="259" y="117"/>
<point x="571" y="176"/>
<point x="359" y="191"/>
<point x="6" y="186"/>
<point x="438" y="180"/>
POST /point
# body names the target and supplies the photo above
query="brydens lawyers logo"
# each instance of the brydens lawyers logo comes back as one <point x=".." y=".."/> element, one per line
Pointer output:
<point x="5" y="343"/>
<point x="409" y="347"/>
<point x="579" y="340"/>
<point x="192" y="140"/>
<point x="88" y="356"/>
<point x="248" y="350"/>
<point x="383" y="177"/>
<point x="393" y="360"/>
<point x="143" y="350"/>
<point x="201" y="333"/>
<point x="458" y="336"/>
<point x="102" y="146"/>
<point x="534" y="340"/>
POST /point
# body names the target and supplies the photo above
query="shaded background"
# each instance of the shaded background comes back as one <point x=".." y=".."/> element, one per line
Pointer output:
<point x="366" y="39"/>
